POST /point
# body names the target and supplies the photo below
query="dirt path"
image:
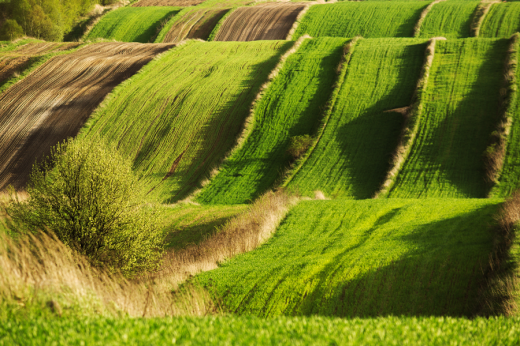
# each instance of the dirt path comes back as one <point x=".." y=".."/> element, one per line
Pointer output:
<point x="271" y="21"/>
<point x="54" y="101"/>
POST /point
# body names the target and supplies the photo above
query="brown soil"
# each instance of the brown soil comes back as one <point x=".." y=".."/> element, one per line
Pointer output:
<point x="44" y="48"/>
<point x="11" y="65"/>
<point x="182" y="3"/>
<point x="53" y="102"/>
<point x="264" y="22"/>
<point x="195" y="25"/>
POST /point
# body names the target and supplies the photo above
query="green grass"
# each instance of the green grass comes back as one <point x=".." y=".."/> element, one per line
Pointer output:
<point x="231" y="330"/>
<point x="132" y="24"/>
<point x="291" y="106"/>
<point x="352" y="157"/>
<point x="503" y="20"/>
<point x="460" y="110"/>
<point x="182" y="113"/>
<point x="364" y="259"/>
<point x="450" y="19"/>
<point x="367" y="19"/>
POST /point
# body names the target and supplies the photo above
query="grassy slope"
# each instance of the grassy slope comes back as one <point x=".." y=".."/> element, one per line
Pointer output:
<point x="183" y="112"/>
<point x="290" y="107"/>
<point x="131" y="24"/>
<point x="451" y="19"/>
<point x="503" y="20"/>
<point x="367" y="19"/>
<point x="231" y="330"/>
<point x="460" y="111"/>
<point x="352" y="157"/>
<point x="364" y="259"/>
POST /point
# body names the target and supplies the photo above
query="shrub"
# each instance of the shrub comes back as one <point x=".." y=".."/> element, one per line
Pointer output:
<point x="299" y="145"/>
<point x="11" y="30"/>
<point x="87" y="194"/>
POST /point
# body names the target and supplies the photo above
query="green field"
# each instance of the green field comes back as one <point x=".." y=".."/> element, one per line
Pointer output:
<point x="366" y="19"/>
<point x="232" y="330"/>
<point x="460" y="110"/>
<point x="292" y="106"/>
<point x="352" y="157"/>
<point x="450" y="19"/>
<point x="183" y="112"/>
<point x="366" y="258"/>
<point x="503" y="20"/>
<point x="132" y="24"/>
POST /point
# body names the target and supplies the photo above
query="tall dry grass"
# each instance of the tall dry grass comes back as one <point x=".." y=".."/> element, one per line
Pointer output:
<point x="496" y="151"/>
<point x="480" y="14"/>
<point x="412" y="116"/>
<point x="499" y="292"/>
<point x="424" y="13"/>
<point x="38" y="270"/>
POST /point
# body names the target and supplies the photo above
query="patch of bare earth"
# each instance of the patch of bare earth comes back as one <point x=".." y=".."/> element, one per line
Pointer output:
<point x="271" y="21"/>
<point x="195" y="25"/>
<point x="181" y="3"/>
<point x="54" y="101"/>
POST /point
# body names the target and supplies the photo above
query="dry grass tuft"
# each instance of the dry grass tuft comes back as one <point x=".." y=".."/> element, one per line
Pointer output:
<point x="39" y="270"/>
<point x="424" y="13"/>
<point x="496" y="151"/>
<point x="411" y="123"/>
<point x="319" y="195"/>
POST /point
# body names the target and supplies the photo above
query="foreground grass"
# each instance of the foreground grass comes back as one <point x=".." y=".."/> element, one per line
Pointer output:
<point x="132" y="24"/>
<point x="292" y="106"/>
<point x="367" y="19"/>
<point x="503" y="20"/>
<point x="450" y="19"/>
<point x="183" y="112"/>
<point x="352" y="156"/>
<point x="231" y="330"/>
<point x="364" y="259"/>
<point x="460" y="110"/>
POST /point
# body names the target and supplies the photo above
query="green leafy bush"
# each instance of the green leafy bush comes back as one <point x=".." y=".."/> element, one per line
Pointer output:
<point x="11" y="30"/>
<point x="87" y="194"/>
<point x="299" y="145"/>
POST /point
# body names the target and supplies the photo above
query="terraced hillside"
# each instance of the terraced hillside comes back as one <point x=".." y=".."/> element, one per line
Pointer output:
<point x="191" y="24"/>
<point x="132" y="24"/>
<point x="460" y="110"/>
<point x="366" y="19"/>
<point x="262" y="22"/>
<point x="351" y="157"/>
<point x="503" y="20"/>
<point x="54" y="101"/>
<point x="364" y="259"/>
<point x="292" y="106"/>
<point x="450" y="19"/>
<point x="181" y="115"/>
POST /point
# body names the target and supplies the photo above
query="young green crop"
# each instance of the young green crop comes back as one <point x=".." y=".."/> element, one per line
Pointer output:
<point x="460" y="110"/>
<point x="132" y="24"/>
<point x="367" y="19"/>
<point x="247" y="330"/>
<point x="352" y="157"/>
<point x="181" y="115"/>
<point x="291" y="106"/>
<point x="364" y="258"/>
<point x="450" y="19"/>
<point x="503" y="20"/>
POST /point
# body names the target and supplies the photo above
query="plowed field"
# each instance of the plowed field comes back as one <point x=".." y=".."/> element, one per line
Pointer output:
<point x="54" y="101"/>
<point x="180" y="3"/>
<point x="193" y="24"/>
<point x="265" y="22"/>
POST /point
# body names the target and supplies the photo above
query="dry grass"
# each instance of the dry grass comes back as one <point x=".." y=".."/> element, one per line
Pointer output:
<point x="38" y="270"/>
<point x="297" y="22"/>
<point x="417" y="28"/>
<point x="496" y="152"/>
<point x="480" y="13"/>
<point x="411" y="123"/>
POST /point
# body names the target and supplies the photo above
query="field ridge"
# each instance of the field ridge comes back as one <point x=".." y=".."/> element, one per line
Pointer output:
<point x="480" y="14"/>
<point x="424" y="13"/>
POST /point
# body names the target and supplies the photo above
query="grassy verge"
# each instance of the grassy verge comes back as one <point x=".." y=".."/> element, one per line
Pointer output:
<point x="351" y="157"/>
<point x="182" y="113"/>
<point x="503" y="20"/>
<point x="459" y="111"/>
<point x="231" y="330"/>
<point x="291" y="106"/>
<point x="450" y="19"/>
<point x="364" y="259"/>
<point x="132" y="24"/>
<point x="367" y="19"/>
